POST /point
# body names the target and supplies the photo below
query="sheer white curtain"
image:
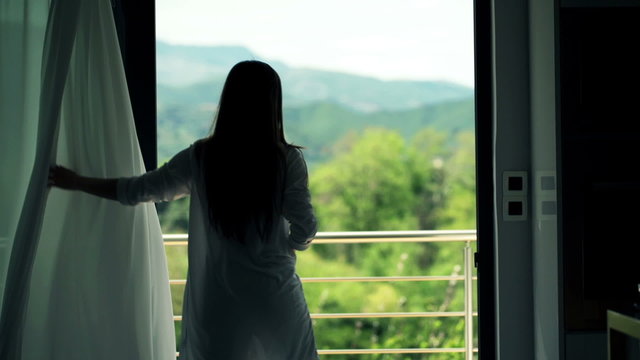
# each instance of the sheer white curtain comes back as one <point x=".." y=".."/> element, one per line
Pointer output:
<point x="19" y="97"/>
<point x="87" y="277"/>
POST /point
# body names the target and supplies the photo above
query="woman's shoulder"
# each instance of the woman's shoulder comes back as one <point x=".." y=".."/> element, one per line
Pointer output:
<point x="295" y="160"/>
<point x="198" y="144"/>
<point x="293" y="152"/>
<point x="197" y="148"/>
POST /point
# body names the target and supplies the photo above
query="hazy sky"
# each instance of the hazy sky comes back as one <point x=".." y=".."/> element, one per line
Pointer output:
<point x="390" y="39"/>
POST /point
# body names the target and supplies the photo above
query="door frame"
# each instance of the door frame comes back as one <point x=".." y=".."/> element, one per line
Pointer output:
<point x="139" y="57"/>
<point x="485" y="256"/>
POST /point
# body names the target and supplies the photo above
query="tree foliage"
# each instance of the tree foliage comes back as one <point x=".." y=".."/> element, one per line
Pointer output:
<point x="379" y="181"/>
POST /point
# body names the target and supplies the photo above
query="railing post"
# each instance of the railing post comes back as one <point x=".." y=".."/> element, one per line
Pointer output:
<point x="468" y="301"/>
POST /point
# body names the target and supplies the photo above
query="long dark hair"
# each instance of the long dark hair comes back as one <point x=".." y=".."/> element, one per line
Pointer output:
<point x="245" y="156"/>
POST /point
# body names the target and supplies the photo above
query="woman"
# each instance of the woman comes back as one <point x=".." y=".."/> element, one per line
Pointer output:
<point x="250" y="209"/>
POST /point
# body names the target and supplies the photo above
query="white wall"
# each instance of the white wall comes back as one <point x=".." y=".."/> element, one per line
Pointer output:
<point x="514" y="297"/>
<point x="525" y="120"/>
<point x="546" y="322"/>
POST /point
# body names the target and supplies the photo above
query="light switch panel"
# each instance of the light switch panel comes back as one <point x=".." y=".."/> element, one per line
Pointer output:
<point x="515" y="190"/>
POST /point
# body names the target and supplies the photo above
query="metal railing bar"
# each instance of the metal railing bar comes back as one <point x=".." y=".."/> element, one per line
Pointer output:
<point x="363" y="279"/>
<point x="387" y="351"/>
<point x="388" y="315"/>
<point x="384" y="278"/>
<point x="387" y="234"/>
<point x="368" y="234"/>
<point x="379" y="315"/>
<point x="175" y="236"/>
<point x="468" y="302"/>
<point x="360" y="237"/>
<point x="171" y="242"/>
<point x="392" y="351"/>
<point x="177" y="242"/>
<point x="430" y="239"/>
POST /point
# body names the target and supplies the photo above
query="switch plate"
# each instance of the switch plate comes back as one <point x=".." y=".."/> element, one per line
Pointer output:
<point x="545" y="195"/>
<point x="514" y="183"/>
<point x="515" y="189"/>
<point x="514" y="208"/>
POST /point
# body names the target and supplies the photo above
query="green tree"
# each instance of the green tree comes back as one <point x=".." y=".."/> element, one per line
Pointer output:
<point x="370" y="185"/>
<point x="174" y="216"/>
<point x="430" y="147"/>
<point x="460" y="212"/>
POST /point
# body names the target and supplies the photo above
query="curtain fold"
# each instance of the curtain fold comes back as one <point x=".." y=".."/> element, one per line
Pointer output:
<point x="19" y="96"/>
<point x="97" y="286"/>
<point x="58" y="43"/>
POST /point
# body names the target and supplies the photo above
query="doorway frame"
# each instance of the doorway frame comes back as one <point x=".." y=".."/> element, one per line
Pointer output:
<point x="139" y="57"/>
<point x="485" y="255"/>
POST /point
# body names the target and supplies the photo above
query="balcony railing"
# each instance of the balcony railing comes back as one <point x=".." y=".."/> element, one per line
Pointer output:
<point x="369" y="237"/>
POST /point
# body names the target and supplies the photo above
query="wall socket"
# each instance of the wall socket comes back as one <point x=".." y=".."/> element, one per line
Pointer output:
<point x="515" y="189"/>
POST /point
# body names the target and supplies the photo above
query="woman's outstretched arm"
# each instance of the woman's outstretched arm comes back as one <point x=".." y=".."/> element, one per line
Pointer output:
<point x="169" y="182"/>
<point x="67" y="179"/>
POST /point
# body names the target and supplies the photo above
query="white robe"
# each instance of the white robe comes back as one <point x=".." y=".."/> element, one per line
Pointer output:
<point x="242" y="300"/>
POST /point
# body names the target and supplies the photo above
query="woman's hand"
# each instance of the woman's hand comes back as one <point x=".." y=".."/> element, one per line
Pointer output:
<point x="63" y="178"/>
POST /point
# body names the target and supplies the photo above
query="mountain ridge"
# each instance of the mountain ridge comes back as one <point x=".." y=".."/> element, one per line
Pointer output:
<point x="195" y="74"/>
<point x="317" y="126"/>
<point x="320" y="107"/>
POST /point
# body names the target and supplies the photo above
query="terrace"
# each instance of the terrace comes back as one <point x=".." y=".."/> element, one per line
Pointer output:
<point x="465" y="239"/>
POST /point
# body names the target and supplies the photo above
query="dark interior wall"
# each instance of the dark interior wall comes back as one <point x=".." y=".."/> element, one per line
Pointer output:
<point x="136" y="25"/>
<point x="599" y="147"/>
<point x="599" y="139"/>
<point x="597" y="118"/>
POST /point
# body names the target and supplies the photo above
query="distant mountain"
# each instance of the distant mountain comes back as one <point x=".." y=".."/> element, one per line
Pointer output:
<point x="320" y="107"/>
<point x="180" y="65"/>
<point x="195" y="74"/>
<point x="318" y="126"/>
